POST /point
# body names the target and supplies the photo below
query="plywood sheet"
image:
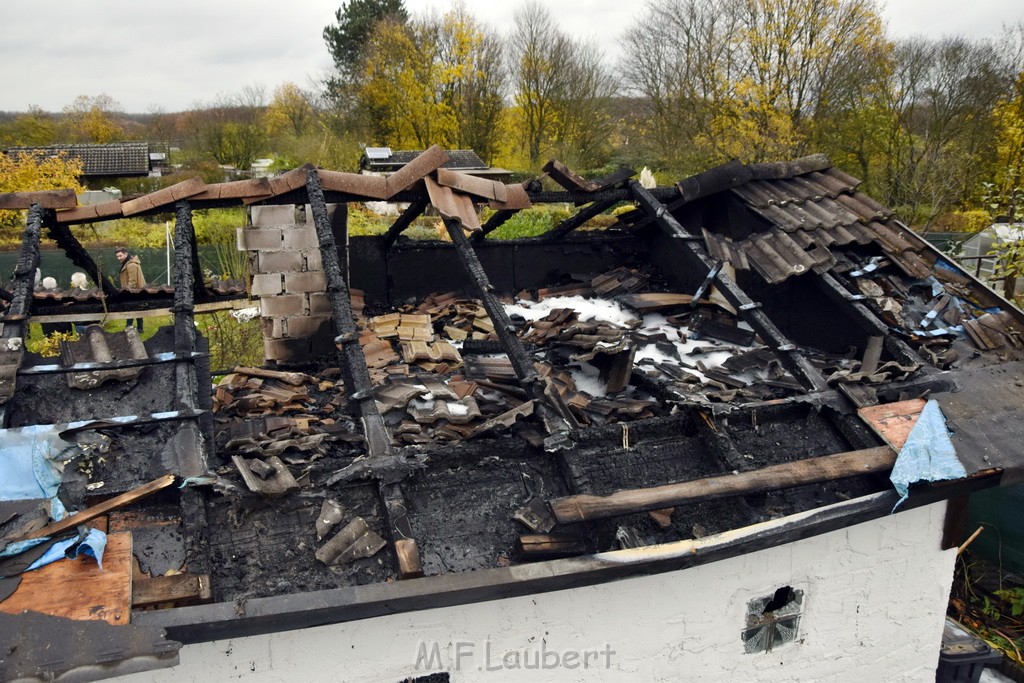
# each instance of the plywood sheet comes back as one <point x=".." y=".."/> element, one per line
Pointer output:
<point x="893" y="421"/>
<point x="77" y="589"/>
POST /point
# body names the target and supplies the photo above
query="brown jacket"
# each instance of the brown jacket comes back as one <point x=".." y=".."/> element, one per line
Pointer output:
<point x="131" y="274"/>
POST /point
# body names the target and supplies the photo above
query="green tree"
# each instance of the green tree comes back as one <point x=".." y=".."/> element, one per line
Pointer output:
<point x="354" y="21"/>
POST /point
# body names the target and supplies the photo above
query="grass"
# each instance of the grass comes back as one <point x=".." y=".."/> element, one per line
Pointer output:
<point x="231" y="342"/>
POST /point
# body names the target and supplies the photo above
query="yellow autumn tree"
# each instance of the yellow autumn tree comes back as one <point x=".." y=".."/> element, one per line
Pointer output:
<point x="433" y="81"/>
<point x="290" y="111"/>
<point x="93" y="119"/>
<point x="1005" y="195"/>
<point x="31" y="172"/>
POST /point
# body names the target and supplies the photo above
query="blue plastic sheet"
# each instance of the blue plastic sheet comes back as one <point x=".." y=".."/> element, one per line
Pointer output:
<point x="93" y="545"/>
<point x="31" y="466"/>
<point x="928" y="454"/>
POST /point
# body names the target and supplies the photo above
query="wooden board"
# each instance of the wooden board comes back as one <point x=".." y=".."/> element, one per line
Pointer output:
<point x="152" y="313"/>
<point x="77" y="589"/>
<point x="893" y="421"/>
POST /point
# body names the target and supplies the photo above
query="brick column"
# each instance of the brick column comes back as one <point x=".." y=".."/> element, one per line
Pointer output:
<point x="289" y="280"/>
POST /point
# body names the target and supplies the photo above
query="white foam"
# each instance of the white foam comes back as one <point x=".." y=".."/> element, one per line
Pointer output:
<point x="601" y="310"/>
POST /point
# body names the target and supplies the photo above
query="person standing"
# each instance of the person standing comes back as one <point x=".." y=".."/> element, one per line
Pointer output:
<point x="131" y="276"/>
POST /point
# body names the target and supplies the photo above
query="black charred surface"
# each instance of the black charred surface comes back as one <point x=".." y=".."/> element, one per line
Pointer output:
<point x="41" y="647"/>
<point x="728" y="175"/>
<point x="34" y="403"/>
<point x="462" y="505"/>
<point x="658" y="451"/>
<point x="269" y="550"/>
<point x="748" y="309"/>
<point x="28" y="261"/>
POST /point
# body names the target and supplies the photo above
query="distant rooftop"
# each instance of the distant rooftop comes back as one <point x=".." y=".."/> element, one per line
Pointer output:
<point x="384" y="159"/>
<point x="116" y="159"/>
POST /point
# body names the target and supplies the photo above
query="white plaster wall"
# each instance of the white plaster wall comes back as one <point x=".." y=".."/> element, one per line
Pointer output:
<point x="874" y="602"/>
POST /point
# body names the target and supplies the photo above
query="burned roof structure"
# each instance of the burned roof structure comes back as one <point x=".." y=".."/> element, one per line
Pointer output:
<point x="458" y="420"/>
<point x="108" y="160"/>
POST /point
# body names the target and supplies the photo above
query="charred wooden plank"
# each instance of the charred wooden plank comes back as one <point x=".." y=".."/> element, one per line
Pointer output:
<point x="178" y="590"/>
<point x="580" y="508"/>
<point x="550" y="546"/>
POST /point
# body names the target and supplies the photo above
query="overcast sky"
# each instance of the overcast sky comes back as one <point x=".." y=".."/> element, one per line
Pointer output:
<point x="170" y="55"/>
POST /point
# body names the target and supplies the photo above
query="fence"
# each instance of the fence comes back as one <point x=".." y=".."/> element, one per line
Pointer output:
<point x="154" y="263"/>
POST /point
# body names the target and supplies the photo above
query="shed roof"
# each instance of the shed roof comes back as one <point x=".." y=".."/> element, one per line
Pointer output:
<point x="458" y="159"/>
<point x="115" y="159"/>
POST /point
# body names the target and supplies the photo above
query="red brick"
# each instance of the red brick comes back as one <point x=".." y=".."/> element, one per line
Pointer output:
<point x="250" y="239"/>
<point x="264" y="284"/>
<point x="282" y="306"/>
<point x="280" y="261"/>
<point x="295" y="283"/>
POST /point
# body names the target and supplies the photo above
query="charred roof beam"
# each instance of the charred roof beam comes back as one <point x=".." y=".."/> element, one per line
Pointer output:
<point x="350" y="354"/>
<point x="522" y="364"/>
<point x="595" y="208"/>
<point x="73" y="249"/>
<point x="383" y="463"/>
<point x="414" y="211"/>
<point x="24" y="277"/>
<point x="748" y="309"/>
<point x="186" y="379"/>
<point x="498" y="219"/>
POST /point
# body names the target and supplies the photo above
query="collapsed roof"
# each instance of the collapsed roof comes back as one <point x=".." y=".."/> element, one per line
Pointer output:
<point x="748" y="346"/>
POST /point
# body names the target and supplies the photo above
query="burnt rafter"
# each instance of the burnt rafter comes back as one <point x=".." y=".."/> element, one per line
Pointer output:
<point x="748" y="309"/>
<point x="28" y="261"/>
<point x="382" y="464"/>
<point x="522" y="365"/>
<point x="414" y="211"/>
<point x="73" y="249"/>
<point x="350" y="354"/>
<point x="593" y="209"/>
<point x="498" y="219"/>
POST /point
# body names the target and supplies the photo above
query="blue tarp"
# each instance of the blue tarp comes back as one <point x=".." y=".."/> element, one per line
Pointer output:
<point x="928" y="454"/>
<point x="31" y="468"/>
